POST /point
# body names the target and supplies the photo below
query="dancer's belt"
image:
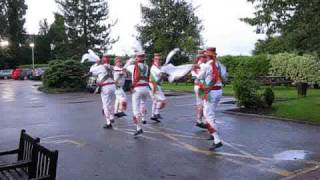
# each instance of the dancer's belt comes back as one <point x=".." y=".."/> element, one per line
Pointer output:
<point x="215" y="88"/>
<point x="141" y="85"/>
<point x="105" y="84"/>
<point x="207" y="90"/>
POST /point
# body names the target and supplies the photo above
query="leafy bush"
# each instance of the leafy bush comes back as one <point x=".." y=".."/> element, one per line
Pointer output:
<point x="300" y="69"/>
<point x="268" y="97"/>
<point x="246" y="88"/>
<point x="65" y="75"/>
<point x="36" y="65"/>
<point x="257" y="65"/>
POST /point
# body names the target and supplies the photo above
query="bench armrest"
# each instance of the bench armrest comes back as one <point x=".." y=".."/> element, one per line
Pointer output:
<point x="19" y="164"/>
<point x="9" y="152"/>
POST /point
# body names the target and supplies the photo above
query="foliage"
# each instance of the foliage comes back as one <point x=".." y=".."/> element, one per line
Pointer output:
<point x="42" y="43"/>
<point x="86" y="25"/>
<point x="64" y="74"/>
<point x="167" y="24"/>
<point x="257" y="65"/>
<point x="300" y="69"/>
<point x="268" y="96"/>
<point x="35" y="65"/>
<point x="58" y="37"/>
<point x="297" y="22"/>
<point x="11" y="22"/>
<point x="271" y="45"/>
<point x="245" y="89"/>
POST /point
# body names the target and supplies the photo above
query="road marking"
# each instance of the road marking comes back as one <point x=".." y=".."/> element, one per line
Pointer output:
<point x="300" y="172"/>
<point x="63" y="141"/>
<point x="130" y="132"/>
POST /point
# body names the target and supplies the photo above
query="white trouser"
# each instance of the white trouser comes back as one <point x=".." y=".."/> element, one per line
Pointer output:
<point x="108" y="98"/>
<point x="121" y="100"/>
<point x="158" y="99"/>
<point x="139" y="98"/>
<point x="199" y="105"/>
<point x="209" y="107"/>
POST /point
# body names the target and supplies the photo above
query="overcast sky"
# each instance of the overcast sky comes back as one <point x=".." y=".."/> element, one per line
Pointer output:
<point x="220" y="18"/>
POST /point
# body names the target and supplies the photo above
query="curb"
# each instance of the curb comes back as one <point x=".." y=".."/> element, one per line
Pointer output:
<point x="271" y="117"/>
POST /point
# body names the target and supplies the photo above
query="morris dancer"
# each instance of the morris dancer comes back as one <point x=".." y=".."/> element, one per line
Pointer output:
<point x="157" y="95"/>
<point x="211" y="91"/>
<point x="200" y="60"/>
<point x="121" y="98"/>
<point x="105" y="81"/>
<point x="140" y="89"/>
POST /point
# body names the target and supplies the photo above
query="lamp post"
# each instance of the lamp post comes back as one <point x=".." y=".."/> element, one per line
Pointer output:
<point x="32" y="48"/>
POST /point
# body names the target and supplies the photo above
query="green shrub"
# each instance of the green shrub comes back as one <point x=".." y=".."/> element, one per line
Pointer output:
<point x="268" y="96"/>
<point x="36" y="65"/>
<point x="246" y="88"/>
<point x="257" y="65"/>
<point x="300" y="69"/>
<point x="65" y="75"/>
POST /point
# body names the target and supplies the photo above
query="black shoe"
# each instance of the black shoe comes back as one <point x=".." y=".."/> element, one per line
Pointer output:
<point x="112" y="120"/>
<point x="138" y="132"/>
<point x="210" y="138"/>
<point x="144" y="122"/>
<point x="215" y="146"/>
<point x="117" y="115"/>
<point x="201" y="125"/>
<point x="158" y="116"/>
<point x="121" y="114"/>
<point x="154" y="118"/>
<point x="107" y="126"/>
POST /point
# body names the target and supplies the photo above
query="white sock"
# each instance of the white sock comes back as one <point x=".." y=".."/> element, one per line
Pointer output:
<point x="138" y="127"/>
<point x="199" y="121"/>
<point x="216" y="138"/>
<point x="108" y="121"/>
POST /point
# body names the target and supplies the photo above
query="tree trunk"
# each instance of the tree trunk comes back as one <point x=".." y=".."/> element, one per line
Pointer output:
<point x="302" y="89"/>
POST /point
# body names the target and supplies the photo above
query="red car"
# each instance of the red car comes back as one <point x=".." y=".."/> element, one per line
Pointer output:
<point x="16" y="73"/>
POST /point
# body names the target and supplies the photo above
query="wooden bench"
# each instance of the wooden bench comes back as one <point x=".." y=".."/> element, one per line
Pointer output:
<point x="34" y="161"/>
<point x="274" y="80"/>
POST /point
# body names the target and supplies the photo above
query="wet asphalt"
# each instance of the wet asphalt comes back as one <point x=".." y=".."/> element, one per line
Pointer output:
<point x="254" y="148"/>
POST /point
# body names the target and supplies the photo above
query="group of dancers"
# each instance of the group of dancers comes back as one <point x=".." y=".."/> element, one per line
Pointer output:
<point x="206" y="72"/>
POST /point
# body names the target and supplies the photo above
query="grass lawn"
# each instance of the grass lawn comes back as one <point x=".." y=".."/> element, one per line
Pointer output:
<point x="287" y="104"/>
<point x="188" y="87"/>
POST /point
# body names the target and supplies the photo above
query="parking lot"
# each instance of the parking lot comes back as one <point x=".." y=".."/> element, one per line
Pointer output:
<point x="254" y="148"/>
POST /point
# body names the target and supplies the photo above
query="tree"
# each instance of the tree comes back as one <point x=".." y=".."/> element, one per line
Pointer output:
<point x="86" y="25"/>
<point x="58" y="38"/>
<point x="168" y="24"/>
<point x="302" y="70"/>
<point x="297" y="22"/>
<point x="271" y="45"/>
<point x="42" y="43"/>
<point x="12" y="21"/>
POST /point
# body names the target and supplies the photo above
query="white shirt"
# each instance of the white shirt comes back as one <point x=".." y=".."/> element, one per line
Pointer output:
<point x="205" y="74"/>
<point x="155" y="73"/>
<point x="119" y="75"/>
<point x="101" y="70"/>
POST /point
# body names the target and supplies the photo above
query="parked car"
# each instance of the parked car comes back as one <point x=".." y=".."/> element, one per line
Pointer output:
<point x="5" y="73"/>
<point x="38" y="72"/>
<point x="25" y="74"/>
<point x="16" y="73"/>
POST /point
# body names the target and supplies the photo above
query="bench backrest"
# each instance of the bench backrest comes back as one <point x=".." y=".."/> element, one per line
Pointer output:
<point x="44" y="163"/>
<point x="26" y="145"/>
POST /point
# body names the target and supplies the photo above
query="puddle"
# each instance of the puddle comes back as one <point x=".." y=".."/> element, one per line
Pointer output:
<point x="291" y="155"/>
